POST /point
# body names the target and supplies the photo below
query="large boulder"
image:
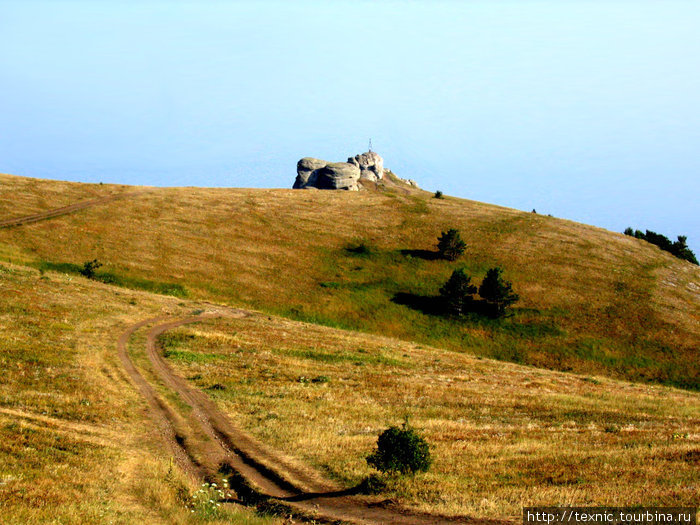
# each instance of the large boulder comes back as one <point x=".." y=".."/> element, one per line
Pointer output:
<point x="306" y="172"/>
<point x="371" y="165"/>
<point x="338" y="176"/>
<point x="322" y="175"/>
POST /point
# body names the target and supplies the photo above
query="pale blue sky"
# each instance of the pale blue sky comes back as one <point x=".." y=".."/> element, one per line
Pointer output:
<point x="588" y="110"/>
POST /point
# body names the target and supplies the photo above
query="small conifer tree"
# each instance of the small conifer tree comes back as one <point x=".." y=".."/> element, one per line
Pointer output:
<point x="450" y="245"/>
<point x="497" y="292"/>
<point x="457" y="293"/>
<point x="680" y="249"/>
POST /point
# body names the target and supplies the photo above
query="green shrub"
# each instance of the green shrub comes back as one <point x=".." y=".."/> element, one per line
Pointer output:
<point x="438" y="195"/>
<point x="457" y="294"/>
<point x="89" y="267"/>
<point x="401" y="449"/>
<point x="450" y="245"/>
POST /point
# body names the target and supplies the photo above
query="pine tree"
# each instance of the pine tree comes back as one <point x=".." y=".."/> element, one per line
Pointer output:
<point x="497" y="292"/>
<point x="457" y="293"/>
<point x="451" y="245"/>
<point x="680" y="249"/>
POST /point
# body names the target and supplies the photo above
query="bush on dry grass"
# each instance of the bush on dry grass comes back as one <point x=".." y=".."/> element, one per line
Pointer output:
<point x="401" y="450"/>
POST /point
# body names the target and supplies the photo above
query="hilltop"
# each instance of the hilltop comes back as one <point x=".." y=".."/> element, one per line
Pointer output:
<point x="592" y="301"/>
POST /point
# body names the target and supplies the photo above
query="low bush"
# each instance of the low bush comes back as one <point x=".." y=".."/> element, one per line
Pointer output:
<point x="401" y="450"/>
<point x="89" y="268"/>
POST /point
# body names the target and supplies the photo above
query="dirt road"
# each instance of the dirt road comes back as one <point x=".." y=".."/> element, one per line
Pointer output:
<point x="56" y="212"/>
<point x="259" y="474"/>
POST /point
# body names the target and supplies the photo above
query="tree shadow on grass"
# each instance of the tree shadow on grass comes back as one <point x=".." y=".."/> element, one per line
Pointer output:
<point x="428" y="255"/>
<point x="427" y="304"/>
<point x="434" y="305"/>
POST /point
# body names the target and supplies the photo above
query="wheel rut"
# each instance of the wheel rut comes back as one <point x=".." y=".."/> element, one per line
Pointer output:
<point x="259" y="474"/>
<point x="64" y="210"/>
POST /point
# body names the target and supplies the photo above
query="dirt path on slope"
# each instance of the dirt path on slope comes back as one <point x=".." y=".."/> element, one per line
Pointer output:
<point x="259" y="474"/>
<point x="162" y="414"/>
<point x="56" y="212"/>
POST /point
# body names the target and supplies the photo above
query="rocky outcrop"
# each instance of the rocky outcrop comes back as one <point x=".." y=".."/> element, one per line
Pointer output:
<point x="338" y="176"/>
<point x="306" y="169"/>
<point x="322" y="175"/>
<point x="371" y="165"/>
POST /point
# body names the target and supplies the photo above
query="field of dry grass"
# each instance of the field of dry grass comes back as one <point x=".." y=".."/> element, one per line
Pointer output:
<point x="76" y="442"/>
<point x="503" y="436"/>
<point x="24" y="196"/>
<point x="592" y="301"/>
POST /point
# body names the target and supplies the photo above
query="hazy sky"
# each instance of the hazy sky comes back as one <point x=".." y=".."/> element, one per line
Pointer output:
<point x="588" y="110"/>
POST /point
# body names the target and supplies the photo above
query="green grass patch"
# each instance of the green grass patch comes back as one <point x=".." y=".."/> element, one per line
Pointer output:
<point x="173" y="339"/>
<point x="185" y="356"/>
<point x="172" y="343"/>
<point x="134" y="283"/>
<point x="417" y="205"/>
<point x="391" y="286"/>
<point x="339" y="357"/>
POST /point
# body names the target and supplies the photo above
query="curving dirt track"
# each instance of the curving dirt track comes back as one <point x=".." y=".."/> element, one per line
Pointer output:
<point x="56" y="212"/>
<point x="259" y="474"/>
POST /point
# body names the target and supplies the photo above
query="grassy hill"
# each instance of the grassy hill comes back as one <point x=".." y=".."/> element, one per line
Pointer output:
<point x="592" y="301"/>
<point x="503" y="436"/>
<point x="76" y="442"/>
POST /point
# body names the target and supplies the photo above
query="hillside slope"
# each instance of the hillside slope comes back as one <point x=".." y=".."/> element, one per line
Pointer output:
<point x="77" y="444"/>
<point x="592" y="301"/>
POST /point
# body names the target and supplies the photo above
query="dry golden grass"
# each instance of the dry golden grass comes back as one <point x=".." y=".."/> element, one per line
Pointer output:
<point x="22" y="196"/>
<point x="591" y="300"/>
<point x="76" y="442"/>
<point x="503" y="436"/>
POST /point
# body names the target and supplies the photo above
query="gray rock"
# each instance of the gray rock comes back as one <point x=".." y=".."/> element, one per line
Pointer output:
<point x="338" y="176"/>
<point x="371" y="165"/>
<point x="306" y="172"/>
<point x="319" y="174"/>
